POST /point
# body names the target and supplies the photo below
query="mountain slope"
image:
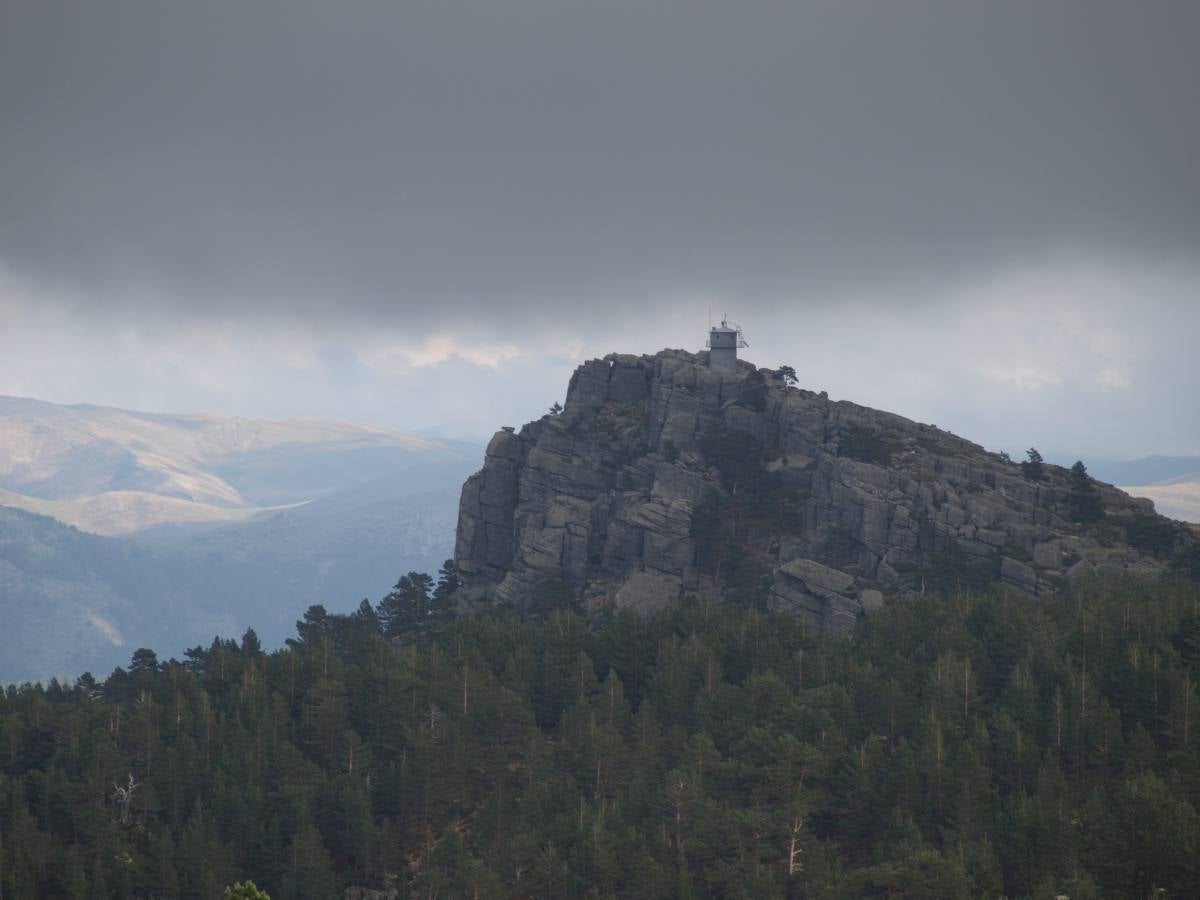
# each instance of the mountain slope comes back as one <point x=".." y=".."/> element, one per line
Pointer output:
<point x="663" y="477"/>
<point x="56" y="452"/>
<point x="113" y="513"/>
<point x="1150" y="470"/>
<point x="74" y="601"/>
<point x="221" y="522"/>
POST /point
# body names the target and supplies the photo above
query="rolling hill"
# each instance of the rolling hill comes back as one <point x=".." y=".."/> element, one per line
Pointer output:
<point x="55" y="452"/>
<point x="122" y="529"/>
<point x="114" y="513"/>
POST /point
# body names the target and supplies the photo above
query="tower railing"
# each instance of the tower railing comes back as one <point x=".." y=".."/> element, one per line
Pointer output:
<point x="740" y="339"/>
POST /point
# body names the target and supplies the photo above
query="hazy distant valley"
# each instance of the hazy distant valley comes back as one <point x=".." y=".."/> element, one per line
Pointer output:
<point x="122" y="529"/>
<point x="1172" y="482"/>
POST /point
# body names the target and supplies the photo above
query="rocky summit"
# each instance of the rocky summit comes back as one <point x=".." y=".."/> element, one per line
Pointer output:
<point x="663" y="478"/>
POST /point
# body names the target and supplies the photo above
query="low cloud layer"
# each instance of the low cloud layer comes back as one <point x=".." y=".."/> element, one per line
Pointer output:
<point x="425" y="214"/>
<point x="1069" y="358"/>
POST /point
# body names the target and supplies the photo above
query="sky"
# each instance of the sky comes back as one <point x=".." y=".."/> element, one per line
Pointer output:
<point x="424" y="215"/>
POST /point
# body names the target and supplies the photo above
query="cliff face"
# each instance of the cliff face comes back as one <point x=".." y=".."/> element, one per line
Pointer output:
<point x="663" y="477"/>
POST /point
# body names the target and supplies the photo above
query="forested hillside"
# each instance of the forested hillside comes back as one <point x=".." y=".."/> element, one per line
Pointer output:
<point x="75" y="601"/>
<point x="962" y="746"/>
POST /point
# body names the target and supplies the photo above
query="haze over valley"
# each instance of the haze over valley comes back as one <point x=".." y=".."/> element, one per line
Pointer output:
<point x="124" y="529"/>
<point x="1172" y="482"/>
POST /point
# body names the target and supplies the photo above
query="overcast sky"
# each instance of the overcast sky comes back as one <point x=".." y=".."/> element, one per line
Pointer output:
<point x="424" y="215"/>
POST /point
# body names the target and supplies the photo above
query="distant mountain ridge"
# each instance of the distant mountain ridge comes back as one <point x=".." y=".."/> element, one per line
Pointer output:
<point x="55" y="452"/>
<point x="1171" y="482"/>
<point x="1150" y="470"/>
<point x="220" y="522"/>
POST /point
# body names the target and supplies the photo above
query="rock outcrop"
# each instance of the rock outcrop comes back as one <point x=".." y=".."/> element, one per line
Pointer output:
<point x="662" y="477"/>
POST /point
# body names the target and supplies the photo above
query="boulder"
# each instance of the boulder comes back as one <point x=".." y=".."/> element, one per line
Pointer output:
<point x="647" y="592"/>
<point x="1018" y="575"/>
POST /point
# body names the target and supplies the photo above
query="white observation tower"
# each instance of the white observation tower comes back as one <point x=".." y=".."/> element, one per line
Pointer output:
<point x="723" y="343"/>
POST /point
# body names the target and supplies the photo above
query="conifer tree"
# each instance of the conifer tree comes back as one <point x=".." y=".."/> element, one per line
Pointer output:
<point x="1033" y="466"/>
<point x="1083" y="502"/>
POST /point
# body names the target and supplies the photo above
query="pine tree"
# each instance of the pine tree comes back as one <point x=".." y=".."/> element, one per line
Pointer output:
<point x="405" y="611"/>
<point x="1083" y="502"/>
<point x="447" y="584"/>
<point x="1032" y="468"/>
<point x="144" y="661"/>
<point x="310" y="873"/>
<point x="251" y="646"/>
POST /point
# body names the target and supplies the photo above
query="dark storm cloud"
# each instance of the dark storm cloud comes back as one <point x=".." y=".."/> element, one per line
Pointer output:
<point x="375" y="158"/>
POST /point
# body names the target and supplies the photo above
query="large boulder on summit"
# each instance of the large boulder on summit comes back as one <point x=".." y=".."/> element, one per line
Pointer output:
<point x="662" y="477"/>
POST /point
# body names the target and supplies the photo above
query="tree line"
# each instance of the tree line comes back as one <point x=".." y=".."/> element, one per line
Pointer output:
<point x="975" y="744"/>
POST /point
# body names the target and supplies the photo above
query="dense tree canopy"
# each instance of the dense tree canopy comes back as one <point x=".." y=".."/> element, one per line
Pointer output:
<point x="960" y="746"/>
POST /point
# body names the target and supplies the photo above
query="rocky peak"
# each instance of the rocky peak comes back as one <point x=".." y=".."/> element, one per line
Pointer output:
<point x="663" y="477"/>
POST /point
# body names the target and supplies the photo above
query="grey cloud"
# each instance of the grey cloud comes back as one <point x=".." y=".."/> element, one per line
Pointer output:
<point x="1073" y="359"/>
<point x="264" y="207"/>
<point x="384" y="161"/>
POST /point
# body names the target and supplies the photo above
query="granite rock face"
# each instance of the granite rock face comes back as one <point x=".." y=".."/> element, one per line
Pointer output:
<point x="616" y="501"/>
